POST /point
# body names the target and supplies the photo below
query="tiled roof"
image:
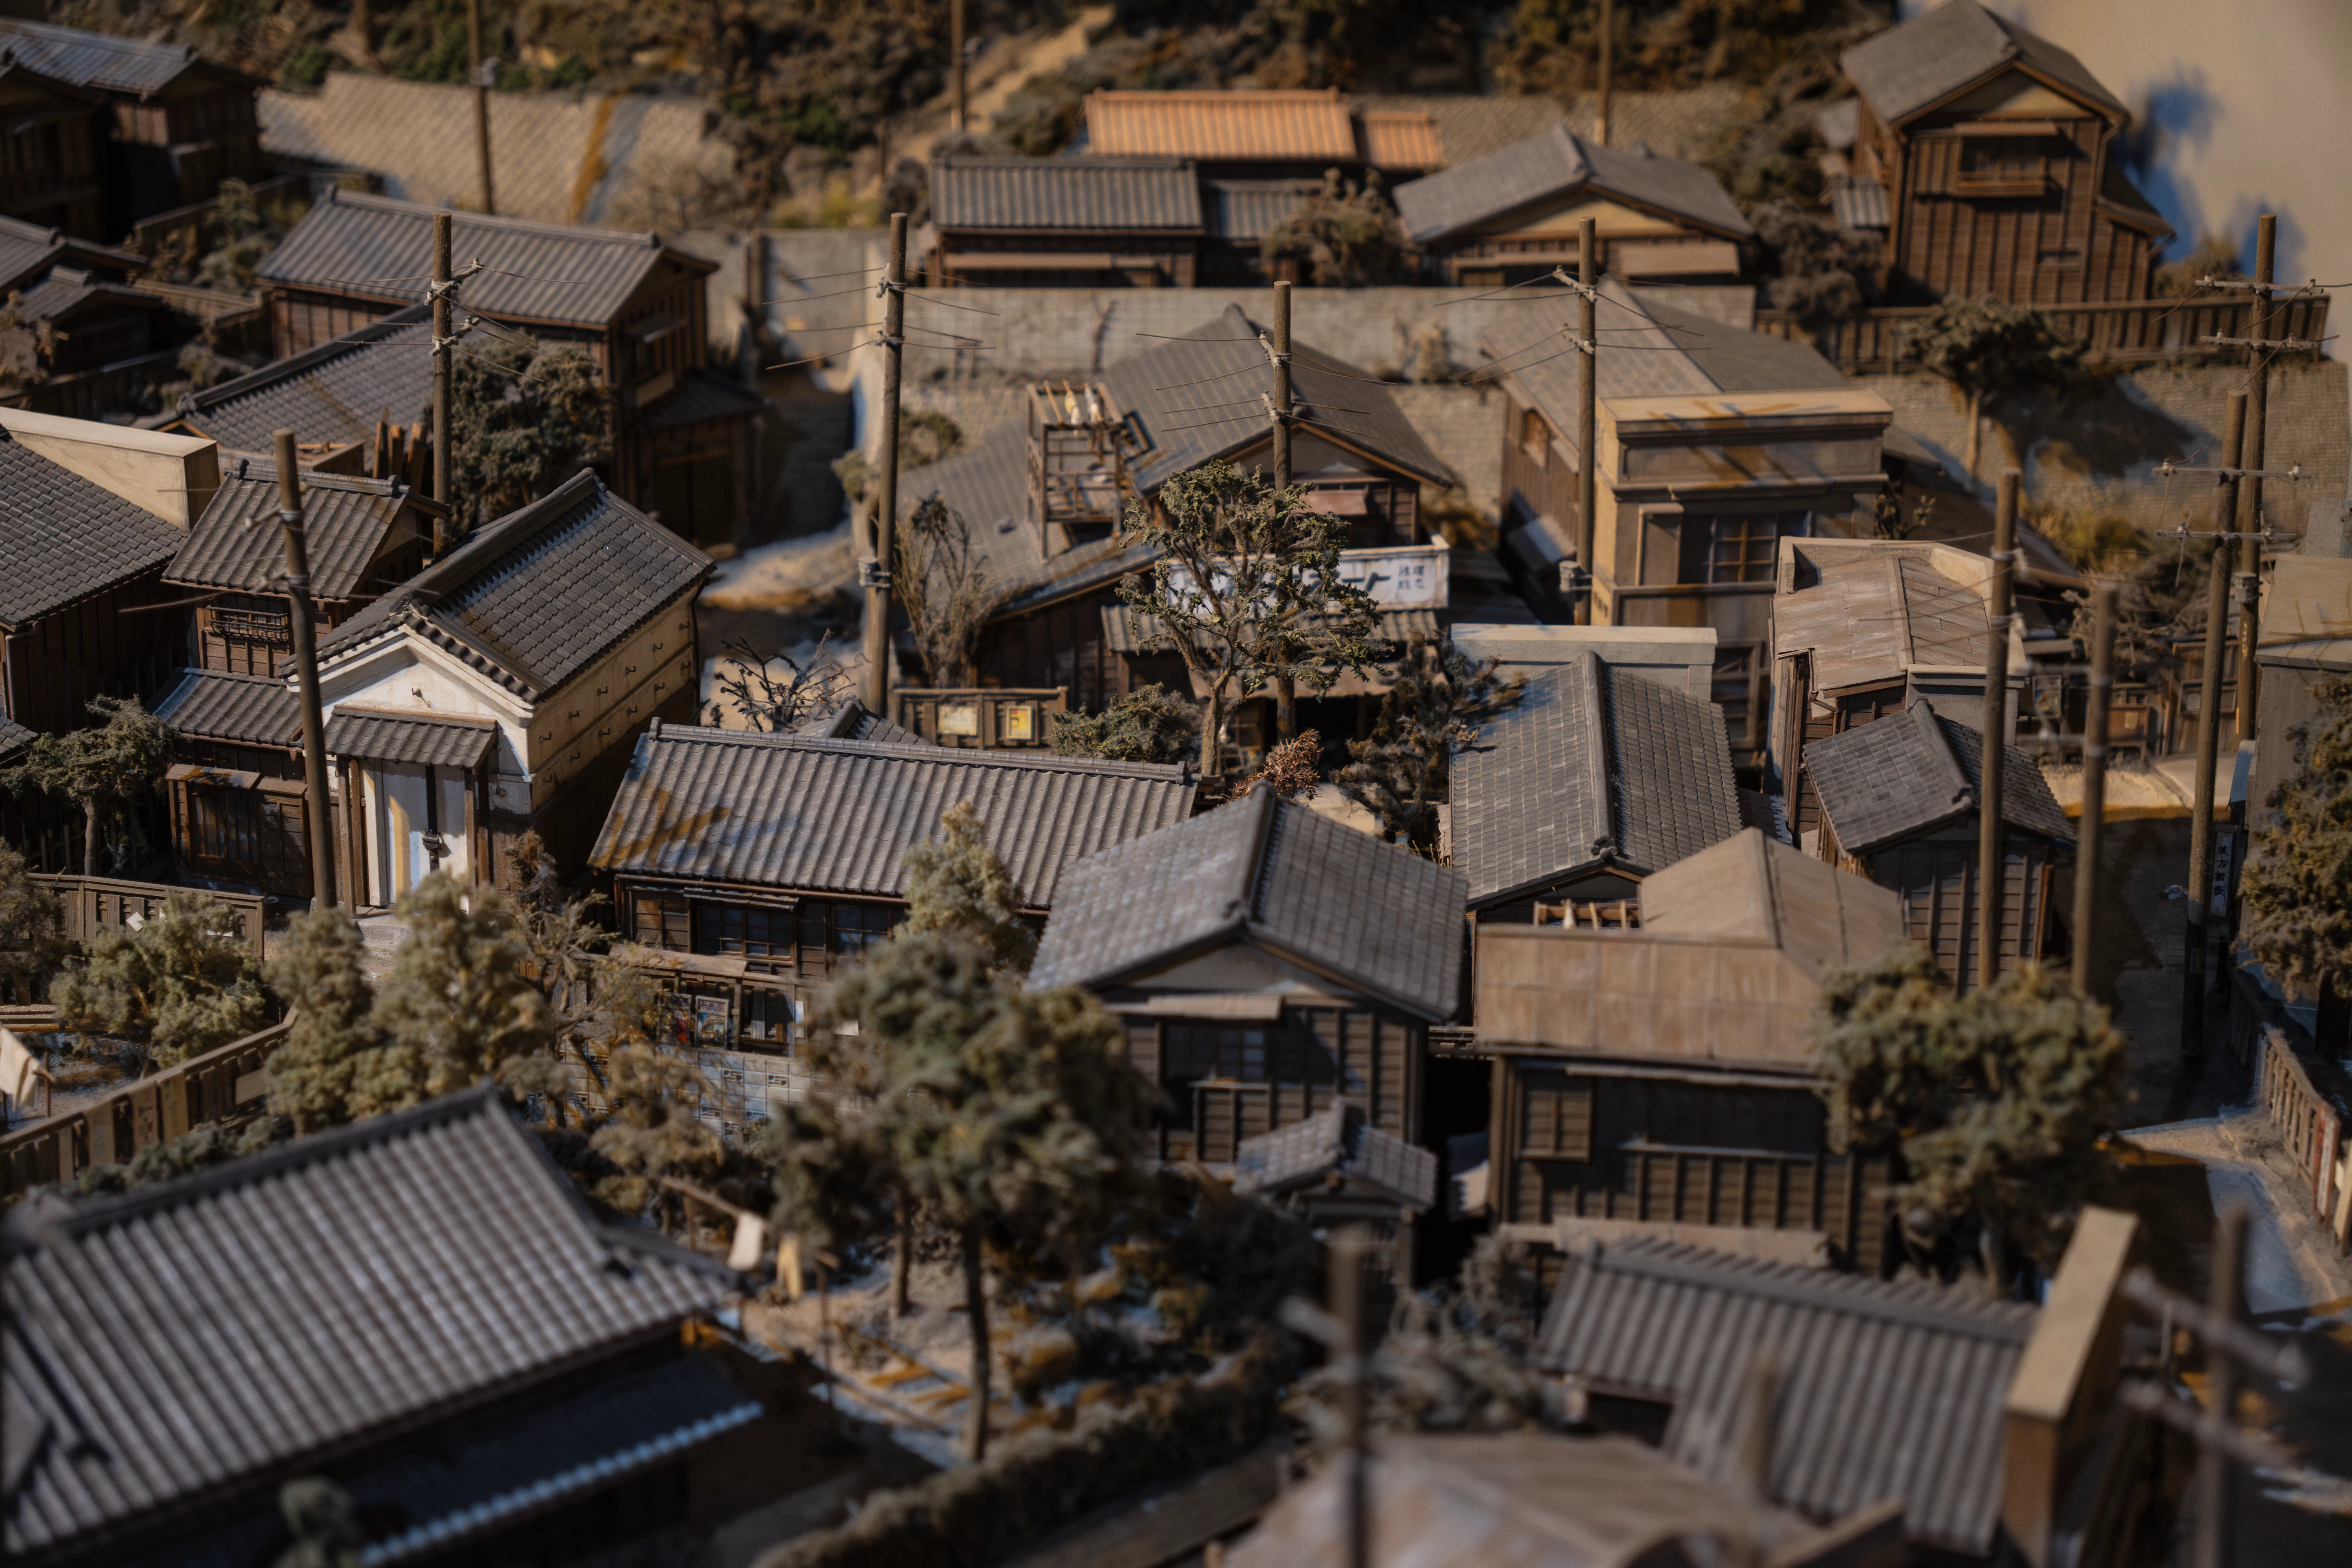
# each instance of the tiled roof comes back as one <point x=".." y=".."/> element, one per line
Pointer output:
<point x="288" y="1305"/>
<point x="1593" y="766"/>
<point x="334" y="391"/>
<point x="348" y="522"/>
<point x="1876" y="609"/>
<point x="1916" y="64"/>
<point x="1222" y="125"/>
<point x="851" y="721"/>
<point x="14" y="737"/>
<point x="1753" y="888"/>
<point x="1471" y="125"/>
<point x="1909" y="772"/>
<point x="798" y="812"/>
<point x="100" y="60"/>
<point x="1065" y="193"/>
<point x="2122" y="199"/>
<point x="1378" y="917"/>
<point x="1242" y="211"/>
<point x="1551" y="163"/>
<point x="700" y="397"/>
<point x="1402" y="139"/>
<point x="376" y="247"/>
<point x="1338" y="1141"/>
<point x="246" y="709"/>
<point x="63" y="538"/>
<point x="28" y="249"/>
<point x="409" y="738"/>
<point x="1127" y="629"/>
<point x="64" y="290"/>
<point x="537" y="597"/>
<point x="1887" y="1389"/>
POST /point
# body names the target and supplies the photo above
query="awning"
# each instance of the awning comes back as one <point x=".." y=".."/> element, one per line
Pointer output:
<point x="439" y="742"/>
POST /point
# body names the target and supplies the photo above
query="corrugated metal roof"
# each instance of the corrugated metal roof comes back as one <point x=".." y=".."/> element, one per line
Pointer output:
<point x="245" y="709"/>
<point x="205" y="1333"/>
<point x="1593" y="766"/>
<point x="410" y="738"/>
<point x="1887" y="1389"/>
<point x="1402" y="139"/>
<point x="1906" y="772"/>
<point x="378" y="248"/>
<point x="542" y="594"/>
<point x="1381" y="919"/>
<point x="100" y="60"/>
<point x="1244" y="211"/>
<point x="348" y="521"/>
<point x="1916" y="64"/>
<point x="63" y="538"/>
<point x="797" y="812"/>
<point x="1551" y="165"/>
<point x="334" y="391"/>
<point x="1065" y="193"/>
<point x="1337" y="1143"/>
<point x="1222" y="125"/>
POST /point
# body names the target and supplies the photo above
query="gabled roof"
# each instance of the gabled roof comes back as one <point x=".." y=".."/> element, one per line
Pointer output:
<point x="1550" y="166"/>
<point x="537" y="597"/>
<point x="1222" y="125"/>
<point x="852" y="721"/>
<point x="379" y="248"/>
<point x="63" y="538"/>
<point x="62" y="291"/>
<point x="1887" y="1389"/>
<point x="291" y="1306"/>
<point x="1375" y="917"/>
<point x="1909" y="772"/>
<point x="243" y="710"/>
<point x="1337" y="1148"/>
<point x="1245" y="211"/>
<point x="26" y="249"/>
<point x="1751" y="889"/>
<point x="335" y="391"/>
<point x="1594" y="767"/>
<point x="348" y="521"/>
<point x="798" y="812"/>
<point x="104" y="62"/>
<point x="1065" y="193"/>
<point x="1874" y="610"/>
<point x="1916" y="65"/>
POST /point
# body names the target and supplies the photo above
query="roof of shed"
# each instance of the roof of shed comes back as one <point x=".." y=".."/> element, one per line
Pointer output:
<point x="1909" y="772"/>
<point x="1379" y="918"/>
<point x="245" y="709"/>
<point x="102" y="62"/>
<point x="1401" y="139"/>
<point x="801" y="812"/>
<point x="1222" y="124"/>
<point x="1754" y="888"/>
<point x="348" y="521"/>
<point x="537" y="597"/>
<point x="14" y="737"/>
<point x="63" y="538"/>
<point x="701" y="396"/>
<point x="1551" y="163"/>
<point x="1244" y="211"/>
<point x="1592" y="766"/>
<point x="1917" y="64"/>
<point x="63" y="289"/>
<point x="336" y="391"/>
<point x="1065" y="193"/>
<point x="1876" y="609"/>
<point x="377" y="247"/>
<point x="151" y="1356"/>
<point x="1338" y="1141"/>
<point x="1887" y="1389"/>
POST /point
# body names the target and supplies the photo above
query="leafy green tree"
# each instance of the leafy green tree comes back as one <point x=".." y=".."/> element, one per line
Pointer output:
<point x="1246" y="589"/>
<point x="319" y="973"/>
<point x="1345" y="236"/>
<point x="653" y="1131"/>
<point x="1997" y="353"/>
<point x="2298" y="880"/>
<point x="32" y="930"/>
<point x="110" y="770"/>
<point x="1993" y="1101"/>
<point x="1150" y="724"/>
<point x="1432" y="708"/>
<point x="198" y="1149"/>
<point x="179" y="984"/>
<point x="955" y="882"/>
<point x="525" y="416"/>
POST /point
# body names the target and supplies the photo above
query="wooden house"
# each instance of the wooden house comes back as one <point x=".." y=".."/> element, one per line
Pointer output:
<point x="502" y="690"/>
<point x="1067" y="222"/>
<point x="681" y="434"/>
<point x="1660" y="1080"/>
<point x="1898" y="805"/>
<point x="234" y="791"/>
<point x="160" y="1426"/>
<point x="49" y="169"/>
<point x="1996" y="161"/>
<point x="1713" y="445"/>
<point x="1594" y="780"/>
<point x="1514" y="216"/>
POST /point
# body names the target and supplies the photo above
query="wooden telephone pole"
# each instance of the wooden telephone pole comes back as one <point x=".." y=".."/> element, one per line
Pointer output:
<point x="318" y="821"/>
<point x="444" y="533"/>
<point x="1608" y="43"/>
<point x="1587" y="419"/>
<point x="481" y="102"/>
<point x="1992" y="732"/>
<point x="955" y="72"/>
<point x="2199" y="892"/>
<point x="2094" y="781"/>
<point x="2250" y="512"/>
<point x="876" y="571"/>
<point x="1286" y="689"/>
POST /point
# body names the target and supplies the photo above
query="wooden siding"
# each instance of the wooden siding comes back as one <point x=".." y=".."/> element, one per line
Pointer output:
<point x="54" y="666"/>
<point x="1314" y="1057"/>
<point x="1059" y="645"/>
<point x="1937" y="879"/>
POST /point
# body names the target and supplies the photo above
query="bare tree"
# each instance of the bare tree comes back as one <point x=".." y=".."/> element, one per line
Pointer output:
<point x="766" y="701"/>
<point x="944" y="591"/>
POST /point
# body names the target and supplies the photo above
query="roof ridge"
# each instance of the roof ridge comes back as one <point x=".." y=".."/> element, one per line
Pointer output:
<point x="461" y="217"/>
<point x="278" y="370"/>
<point x="1823" y="1289"/>
<point x="1602" y="767"/>
<point x="920" y="751"/>
<point x="1254" y="865"/>
<point x="1939" y="745"/>
<point x="231" y="674"/>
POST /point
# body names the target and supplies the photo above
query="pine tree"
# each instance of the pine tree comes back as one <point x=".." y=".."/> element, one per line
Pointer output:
<point x="319" y="973"/>
<point x="459" y="1004"/>
<point x="110" y="770"/>
<point x="32" y="930"/>
<point x="177" y="987"/>
<point x="1996" y="354"/>
<point x="1150" y="724"/>
<point x="654" y="1089"/>
<point x="524" y="416"/>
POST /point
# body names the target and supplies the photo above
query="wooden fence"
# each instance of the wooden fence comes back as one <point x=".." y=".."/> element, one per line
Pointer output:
<point x="223" y="1082"/>
<point x="94" y="903"/>
<point x="109" y="389"/>
<point x="2127" y="331"/>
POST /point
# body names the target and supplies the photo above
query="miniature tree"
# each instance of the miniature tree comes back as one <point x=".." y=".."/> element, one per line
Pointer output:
<point x="110" y="770"/>
<point x="32" y="930"/>
<point x="1148" y="724"/>
<point x="1344" y="236"/>
<point x="779" y="703"/>
<point x="1996" y="354"/>
<point x="1824" y="274"/>
<point x="958" y="883"/>
<point x="2298" y="880"/>
<point x="322" y="1523"/>
<point x="944" y="591"/>
<point x="1995" y="1102"/>
<point x="523" y="418"/>
<point x="1246" y="589"/>
<point x="178" y="985"/>
<point x="460" y="1005"/>
<point x="319" y="973"/>
<point x="1292" y="769"/>
<point x="1434" y="709"/>
<point x="656" y="1091"/>
<point x="561" y="932"/>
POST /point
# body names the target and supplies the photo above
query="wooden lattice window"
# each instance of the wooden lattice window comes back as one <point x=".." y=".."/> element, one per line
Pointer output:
<point x="1556" y="1117"/>
<point x="1743" y="546"/>
<point x="271" y="627"/>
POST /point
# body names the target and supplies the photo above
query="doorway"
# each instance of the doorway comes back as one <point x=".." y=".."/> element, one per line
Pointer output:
<point x="416" y="822"/>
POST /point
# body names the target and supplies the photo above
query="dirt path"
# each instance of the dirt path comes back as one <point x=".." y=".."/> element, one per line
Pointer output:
<point x="996" y="76"/>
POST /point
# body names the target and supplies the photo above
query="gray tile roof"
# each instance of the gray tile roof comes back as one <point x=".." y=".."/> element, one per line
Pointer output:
<point x="1887" y="1389"/>
<point x="851" y="721"/>
<point x="63" y="538"/>
<point x="376" y="247"/>
<point x="700" y="397"/>
<point x="1243" y="210"/>
<point x="1065" y="193"/>
<point x="1548" y="165"/>
<point x="62" y="290"/>
<point x="1379" y="918"/>
<point x="799" y="812"/>
<point x="100" y="60"/>
<point x="1594" y="766"/>
<point x="336" y="391"/>
<point x="1906" y="772"/>
<point x="14" y="737"/>
<point x="292" y="1304"/>
<point x="1918" y="64"/>
<point x="348" y="521"/>
<point x="1337" y="1141"/>
<point x="542" y="592"/>
<point x="409" y="738"/>
<point x="27" y="250"/>
<point x="245" y="709"/>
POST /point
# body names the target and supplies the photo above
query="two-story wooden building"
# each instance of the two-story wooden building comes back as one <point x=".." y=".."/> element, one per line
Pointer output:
<point x="681" y="434"/>
<point x="48" y="160"/>
<point x="1993" y="156"/>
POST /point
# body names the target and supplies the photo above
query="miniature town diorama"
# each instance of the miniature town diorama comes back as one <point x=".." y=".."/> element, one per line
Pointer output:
<point x="1570" y="785"/>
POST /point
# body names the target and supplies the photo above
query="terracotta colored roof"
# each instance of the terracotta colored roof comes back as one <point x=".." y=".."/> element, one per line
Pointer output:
<point x="1403" y="138"/>
<point x="1272" y="125"/>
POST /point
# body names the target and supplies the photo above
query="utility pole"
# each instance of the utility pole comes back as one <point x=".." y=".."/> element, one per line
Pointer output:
<point x="2224" y="1291"/>
<point x="481" y="100"/>
<point x="876" y="571"/>
<point x="2250" y="512"/>
<point x="2094" y="781"/>
<point x="955" y="71"/>
<point x="1607" y="42"/>
<point x="1992" y="865"/>
<point x="443" y="531"/>
<point x="318" y="821"/>
<point x="1347" y="1264"/>
<point x="1286" y="689"/>
<point x="1588" y="238"/>
<point x="2199" y="892"/>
